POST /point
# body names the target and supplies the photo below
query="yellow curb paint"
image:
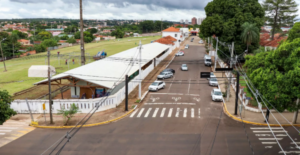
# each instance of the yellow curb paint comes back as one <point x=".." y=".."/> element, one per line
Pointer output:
<point x="253" y="123"/>
<point x="88" y="125"/>
<point x="11" y="138"/>
<point x="17" y="135"/>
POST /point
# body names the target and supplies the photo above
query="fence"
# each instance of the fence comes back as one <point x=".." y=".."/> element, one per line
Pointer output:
<point x="85" y="105"/>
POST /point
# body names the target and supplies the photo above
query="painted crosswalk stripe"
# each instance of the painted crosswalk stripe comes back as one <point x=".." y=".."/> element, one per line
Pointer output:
<point x="268" y="147"/>
<point x="147" y="113"/>
<point x="134" y="113"/>
<point x="2" y="127"/>
<point x="261" y="128"/>
<point x="270" y="131"/>
<point x="162" y="112"/>
<point x="262" y="134"/>
<point x="170" y="112"/>
<point x="192" y="113"/>
<point x="5" y="130"/>
<point x="184" y="112"/>
<point x="199" y="112"/>
<point x="281" y="135"/>
<point x="177" y="112"/>
<point x="2" y="133"/>
<point x="270" y="138"/>
<point x="295" y="142"/>
<point x="269" y="142"/>
<point x="155" y="112"/>
<point x="140" y="113"/>
<point x="288" y="152"/>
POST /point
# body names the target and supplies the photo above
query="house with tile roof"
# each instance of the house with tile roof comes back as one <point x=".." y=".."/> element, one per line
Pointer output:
<point x="24" y="42"/>
<point x="170" y="41"/>
<point x="265" y="40"/>
<point x="175" y="33"/>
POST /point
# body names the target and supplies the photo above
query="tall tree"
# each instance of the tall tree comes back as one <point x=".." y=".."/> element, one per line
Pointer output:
<point x="280" y="13"/>
<point x="14" y="39"/>
<point x="5" y="111"/>
<point x="226" y="23"/>
<point x="250" y="33"/>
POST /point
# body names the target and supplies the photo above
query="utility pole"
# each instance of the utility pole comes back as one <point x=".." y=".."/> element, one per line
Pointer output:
<point x="140" y="70"/>
<point x="126" y="92"/>
<point x="216" y="54"/>
<point x="296" y="113"/>
<point x="49" y="81"/>
<point x="2" y="54"/>
<point x="237" y="92"/>
<point x="230" y="77"/>
<point x="81" y="36"/>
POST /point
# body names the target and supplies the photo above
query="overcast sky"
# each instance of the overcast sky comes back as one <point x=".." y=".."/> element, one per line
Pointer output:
<point x="172" y="10"/>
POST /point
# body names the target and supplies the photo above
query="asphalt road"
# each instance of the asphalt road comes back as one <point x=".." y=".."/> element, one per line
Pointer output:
<point x="180" y="119"/>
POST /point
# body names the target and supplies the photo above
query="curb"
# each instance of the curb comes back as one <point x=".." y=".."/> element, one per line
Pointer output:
<point x="88" y="125"/>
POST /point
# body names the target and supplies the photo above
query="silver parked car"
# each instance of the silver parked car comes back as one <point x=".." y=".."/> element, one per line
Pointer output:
<point x="156" y="85"/>
<point x="213" y="81"/>
<point x="216" y="95"/>
<point x="179" y="54"/>
<point x="184" y="67"/>
<point x="165" y="75"/>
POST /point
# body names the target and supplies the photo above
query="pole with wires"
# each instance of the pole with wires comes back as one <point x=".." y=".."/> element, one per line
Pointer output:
<point x="81" y="36"/>
<point x="230" y="74"/>
<point x="237" y="92"/>
<point x="49" y="80"/>
<point x="216" y="54"/>
<point x="140" y="70"/>
<point x="296" y="112"/>
<point x="2" y="54"/>
<point x="126" y="92"/>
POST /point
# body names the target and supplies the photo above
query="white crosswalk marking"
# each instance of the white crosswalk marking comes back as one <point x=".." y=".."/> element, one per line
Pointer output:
<point x="140" y="113"/>
<point x="281" y="135"/>
<point x="261" y="128"/>
<point x="155" y="112"/>
<point x="2" y="127"/>
<point x="170" y="112"/>
<point x="177" y="112"/>
<point x="162" y="112"/>
<point x="134" y="113"/>
<point x="199" y="112"/>
<point x="147" y="113"/>
<point x="269" y="142"/>
<point x="262" y="134"/>
<point x="268" y="147"/>
<point x="184" y="112"/>
<point x="270" y="131"/>
<point x="288" y="152"/>
<point x="270" y="138"/>
<point x="192" y="113"/>
<point x="5" y="130"/>
<point x="2" y="133"/>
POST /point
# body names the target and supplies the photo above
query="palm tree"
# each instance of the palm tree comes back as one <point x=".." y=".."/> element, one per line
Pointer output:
<point x="250" y="33"/>
<point x="14" y="40"/>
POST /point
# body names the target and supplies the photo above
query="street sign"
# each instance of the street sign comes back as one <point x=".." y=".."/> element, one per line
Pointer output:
<point x="205" y="75"/>
<point x="224" y="69"/>
<point x="44" y="106"/>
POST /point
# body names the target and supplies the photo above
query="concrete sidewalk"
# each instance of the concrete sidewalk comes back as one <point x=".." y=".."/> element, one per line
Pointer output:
<point x="257" y="118"/>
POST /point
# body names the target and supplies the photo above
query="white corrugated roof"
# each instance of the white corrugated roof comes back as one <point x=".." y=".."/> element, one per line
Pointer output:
<point x="112" y="67"/>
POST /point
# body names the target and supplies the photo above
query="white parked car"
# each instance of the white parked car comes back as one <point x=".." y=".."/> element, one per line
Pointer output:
<point x="156" y="85"/>
<point x="211" y="75"/>
<point x="186" y="46"/>
<point x="201" y="42"/>
<point x="165" y="75"/>
<point x="184" y="67"/>
<point x="216" y="95"/>
<point x="213" y="81"/>
<point x="179" y="54"/>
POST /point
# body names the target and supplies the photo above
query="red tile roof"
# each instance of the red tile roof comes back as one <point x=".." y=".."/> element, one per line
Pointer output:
<point x="62" y="41"/>
<point x="171" y="29"/>
<point x="170" y="38"/>
<point x="164" y="41"/>
<point x="23" y="40"/>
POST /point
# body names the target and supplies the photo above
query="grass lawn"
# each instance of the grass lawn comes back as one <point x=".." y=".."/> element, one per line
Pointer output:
<point x="249" y="94"/>
<point x="17" y="69"/>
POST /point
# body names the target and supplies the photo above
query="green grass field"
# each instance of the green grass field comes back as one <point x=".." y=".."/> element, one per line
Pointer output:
<point x="17" y="69"/>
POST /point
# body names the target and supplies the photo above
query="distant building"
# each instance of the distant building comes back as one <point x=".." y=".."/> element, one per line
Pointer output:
<point x="194" y="21"/>
<point x="200" y="20"/>
<point x="55" y="30"/>
<point x="186" y="21"/>
<point x="24" y="42"/>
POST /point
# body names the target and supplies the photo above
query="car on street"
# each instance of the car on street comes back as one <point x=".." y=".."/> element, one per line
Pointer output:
<point x="213" y="81"/>
<point x="186" y="46"/>
<point x="164" y="75"/>
<point x="179" y="54"/>
<point x="169" y="70"/>
<point x="156" y="85"/>
<point x="192" y="40"/>
<point x="211" y="75"/>
<point x="184" y="67"/>
<point x="216" y="95"/>
<point x="201" y="42"/>
<point x="207" y="60"/>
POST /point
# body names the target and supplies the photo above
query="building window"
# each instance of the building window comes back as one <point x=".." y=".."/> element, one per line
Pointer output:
<point x="175" y="35"/>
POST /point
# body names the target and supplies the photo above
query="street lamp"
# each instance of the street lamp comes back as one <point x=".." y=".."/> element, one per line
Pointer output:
<point x="2" y="54"/>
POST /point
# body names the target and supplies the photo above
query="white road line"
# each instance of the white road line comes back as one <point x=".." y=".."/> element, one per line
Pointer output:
<point x="295" y="142"/>
<point x="136" y="110"/>
<point x="2" y="133"/>
<point x="5" y="130"/>
<point x="269" y="131"/>
<point x="147" y="113"/>
<point x="270" y="138"/>
<point x="189" y="86"/>
<point x="262" y="134"/>
<point x="199" y="112"/>
<point x="269" y="142"/>
<point x="184" y="112"/>
<point x="192" y="113"/>
<point x="141" y="111"/>
<point x="281" y="135"/>
<point x="169" y="103"/>
<point x="288" y="152"/>
<point x="162" y="112"/>
<point x="260" y="128"/>
<point x="155" y="112"/>
<point x="170" y="112"/>
<point x="177" y="112"/>
<point x="174" y="94"/>
<point x="171" y="83"/>
<point x="2" y="127"/>
<point x="268" y="147"/>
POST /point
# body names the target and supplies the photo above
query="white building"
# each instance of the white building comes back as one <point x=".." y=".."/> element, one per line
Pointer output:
<point x="175" y="33"/>
<point x="185" y="32"/>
